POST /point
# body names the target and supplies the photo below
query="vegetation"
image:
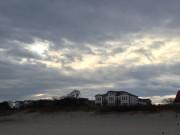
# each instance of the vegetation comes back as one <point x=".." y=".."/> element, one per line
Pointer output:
<point x="73" y="105"/>
<point x="72" y="102"/>
<point x="168" y="101"/>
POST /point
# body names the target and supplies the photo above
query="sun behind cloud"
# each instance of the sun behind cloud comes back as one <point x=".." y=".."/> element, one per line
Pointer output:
<point x="40" y="49"/>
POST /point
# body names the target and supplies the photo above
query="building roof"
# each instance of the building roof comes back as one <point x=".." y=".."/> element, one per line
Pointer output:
<point x="117" y="93"/>
<point x="144" y="100"/>
<point x="124" y="92"/>
<point x="101" y="95"/>
<point x="177" y="99"/>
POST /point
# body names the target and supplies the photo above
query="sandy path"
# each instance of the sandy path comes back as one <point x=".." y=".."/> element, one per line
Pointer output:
<point x="90" y="124"/>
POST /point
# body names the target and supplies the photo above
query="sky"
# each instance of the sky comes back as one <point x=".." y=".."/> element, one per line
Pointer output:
<point x="51" y="47"/>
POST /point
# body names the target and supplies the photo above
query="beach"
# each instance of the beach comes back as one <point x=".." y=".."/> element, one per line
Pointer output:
<point x="90" y="123"/>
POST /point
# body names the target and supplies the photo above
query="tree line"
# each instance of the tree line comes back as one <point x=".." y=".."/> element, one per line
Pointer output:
<point x="70" y="100"/>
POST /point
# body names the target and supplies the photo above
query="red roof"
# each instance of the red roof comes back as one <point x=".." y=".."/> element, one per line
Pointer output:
<point x="177" y="99"/>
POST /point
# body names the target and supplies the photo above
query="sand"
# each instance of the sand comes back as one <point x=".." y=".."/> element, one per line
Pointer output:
<point x="89" y="123"/>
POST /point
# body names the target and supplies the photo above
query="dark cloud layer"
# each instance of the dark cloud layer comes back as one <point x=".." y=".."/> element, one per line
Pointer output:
<point x="83" y="21"/>
<point x="90" y="45"/>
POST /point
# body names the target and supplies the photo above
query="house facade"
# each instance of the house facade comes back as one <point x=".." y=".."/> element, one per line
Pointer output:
<point x="144" y="101"/>
<point x="116" y="98"/>
<point x="177" y="99"/>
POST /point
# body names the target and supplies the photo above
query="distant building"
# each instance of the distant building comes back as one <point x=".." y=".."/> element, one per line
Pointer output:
<point x="177" y="99"/>
<point x="28" y="103"/>
<point x="83" y="101"/>
<point x="144" y="101"/>
<point x="91" y="102"/>
<point x="18" y="104"/>
<point x="116" y="98"/>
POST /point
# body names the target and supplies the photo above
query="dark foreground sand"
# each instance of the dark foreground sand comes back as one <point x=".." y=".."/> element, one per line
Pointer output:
<point x="82" y="123"/>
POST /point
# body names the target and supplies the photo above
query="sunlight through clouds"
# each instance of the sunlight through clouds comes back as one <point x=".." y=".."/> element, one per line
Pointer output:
<point x="89" y="61"/>
<point x="140" y="51"/>
<point x="123" y="45"/>
<point x="158" y="99"/>
<point x="40" y="47"/>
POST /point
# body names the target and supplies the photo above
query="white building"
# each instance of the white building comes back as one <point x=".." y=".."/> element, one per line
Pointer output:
<point x="18" y="104"/>
<point x="116" y="98"/>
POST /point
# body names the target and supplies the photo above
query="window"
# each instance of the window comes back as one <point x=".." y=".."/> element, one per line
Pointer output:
<point x="98" y="99"/>
<point x="124" y="98"/>
<point x="111" y="98"/>
<point x="111" y="93"/>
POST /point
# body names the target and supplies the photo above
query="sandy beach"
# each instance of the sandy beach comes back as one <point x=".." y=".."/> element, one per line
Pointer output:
<point x="89" y="123"/>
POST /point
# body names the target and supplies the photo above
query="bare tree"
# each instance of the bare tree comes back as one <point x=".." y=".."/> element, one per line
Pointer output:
<point x="74" y="94"/>
<point x="168" y="101"/>
<point x="54" y="98"/>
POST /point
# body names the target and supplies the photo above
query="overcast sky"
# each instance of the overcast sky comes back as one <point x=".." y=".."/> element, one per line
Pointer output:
<point x="51" y="47"/>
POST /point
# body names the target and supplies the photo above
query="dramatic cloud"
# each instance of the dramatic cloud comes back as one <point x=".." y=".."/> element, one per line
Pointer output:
<point x="48" y="48"/>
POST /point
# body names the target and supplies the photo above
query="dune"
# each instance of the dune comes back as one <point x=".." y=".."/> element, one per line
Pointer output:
<point x="90" y="123"/>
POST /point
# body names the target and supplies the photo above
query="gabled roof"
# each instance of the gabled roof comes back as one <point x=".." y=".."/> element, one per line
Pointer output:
<point x="144" y="100"/>
<point x="103" y="95"/>
<point x="117" y="93"/>
<point x="122" y="92"/>
<point x="177" y="99"/>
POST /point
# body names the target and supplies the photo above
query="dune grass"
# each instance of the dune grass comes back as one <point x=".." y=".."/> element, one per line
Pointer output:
<point x="96" y="109"/>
